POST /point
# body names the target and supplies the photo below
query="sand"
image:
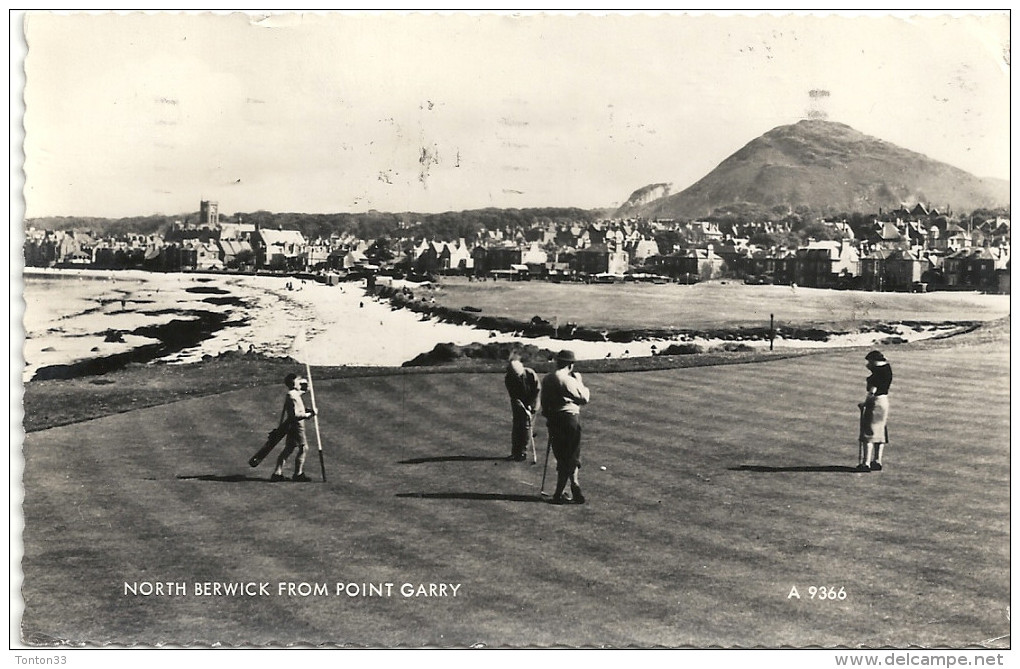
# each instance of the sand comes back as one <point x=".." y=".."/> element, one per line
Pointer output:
<point x="69" y="312"/>
<point x="356" y="330"/>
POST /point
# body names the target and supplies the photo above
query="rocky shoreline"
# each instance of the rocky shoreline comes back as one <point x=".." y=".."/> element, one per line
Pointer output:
<point x="685" y="339"/>
<point x="171" y="337"/>
<point x="86" y="323"/>
<point x="183" y="319"/>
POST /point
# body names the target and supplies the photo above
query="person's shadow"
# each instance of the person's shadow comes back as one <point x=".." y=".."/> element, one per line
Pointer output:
<point x="453" y="458"/>
<point x="229" y="478"/>
<point x="477" y="496"/>
<point x="763" y="469"/>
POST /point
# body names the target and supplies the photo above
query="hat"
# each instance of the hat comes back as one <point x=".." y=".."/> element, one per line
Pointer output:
<point x="875" y="356"/>
<point x="566" y="355"/>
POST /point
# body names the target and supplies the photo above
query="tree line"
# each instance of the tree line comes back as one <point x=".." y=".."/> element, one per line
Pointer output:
<point x="445" y="226"/>
<point x="801" y="221"/>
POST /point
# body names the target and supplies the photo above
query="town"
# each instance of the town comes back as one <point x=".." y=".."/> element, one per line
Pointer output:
<point x="911" y="248"/>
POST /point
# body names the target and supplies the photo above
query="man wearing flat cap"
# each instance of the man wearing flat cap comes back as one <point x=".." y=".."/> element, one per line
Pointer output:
<point x="522" y="384"/>
<point x="563" y="394"/>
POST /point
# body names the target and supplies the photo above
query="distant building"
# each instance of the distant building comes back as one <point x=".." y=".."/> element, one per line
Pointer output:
<point x="975" y="268"/>
<point x="207" y="255"/>
<point x="826" y="264"/>
<point x="1003" y="276"/>
<point x="496" y="257"/>
<point x="353" y="258"/>
<point x="706" y="230"/>
<point x="689" y="265"/>
<point x="234" y="251"/>
<point x="440" y="256"/>
<point x="955" y="239"/>
<point x="460" y="255"/>
<point x="44" y="248"/>
<point x="317" y="254"/>
<point x="642" y="249"/>
<point x="209" y="213"/>
<point x="278" y="249"/>
<point x="534" y="255"/>
<point x="904" y="269"/>
<point x="873" y="270"/>
<point x="890" y="235"/>
<point x="979" y="268"/>
<point x="431" y="257"/>
<point x="239" y="231"/>
<point x="600" y="259"/>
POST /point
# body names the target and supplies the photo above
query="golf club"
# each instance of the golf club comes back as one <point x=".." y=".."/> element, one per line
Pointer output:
<point x="531" y="440"/>
<point x="545" y="468"/>
<point x="860" y="441"/>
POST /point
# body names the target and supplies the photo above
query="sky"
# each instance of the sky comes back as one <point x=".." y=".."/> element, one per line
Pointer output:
<point x="134" y="114"/>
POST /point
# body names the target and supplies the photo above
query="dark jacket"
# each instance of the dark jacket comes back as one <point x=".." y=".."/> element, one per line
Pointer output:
<point x="881" y="379"/>
<point x="524" y="388"/>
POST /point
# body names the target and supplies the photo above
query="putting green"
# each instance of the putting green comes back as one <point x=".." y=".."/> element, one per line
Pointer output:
<point x="723" y="489"/>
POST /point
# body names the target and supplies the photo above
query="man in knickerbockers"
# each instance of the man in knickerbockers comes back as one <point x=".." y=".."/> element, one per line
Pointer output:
<point x="563" y="394"/>
<point x="522" y="384"/>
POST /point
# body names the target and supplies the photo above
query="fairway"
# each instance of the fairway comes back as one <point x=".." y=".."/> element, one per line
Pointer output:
<point x="723" y="488"/>
<point x="710" y="305"/>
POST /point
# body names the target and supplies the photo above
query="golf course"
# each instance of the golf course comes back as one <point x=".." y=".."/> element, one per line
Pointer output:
<point x="723" y="510"/>
<point x="712" y="304"/>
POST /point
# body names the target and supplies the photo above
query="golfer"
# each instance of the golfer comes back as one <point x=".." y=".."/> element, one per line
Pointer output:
<point x="875" y="412"/>
<point x="563" y="394"/>
<point x="294" y="414"/>
<point x="522" y="384"/>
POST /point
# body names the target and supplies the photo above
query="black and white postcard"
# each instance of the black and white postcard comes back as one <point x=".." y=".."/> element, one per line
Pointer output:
<point x="512" y="330"/>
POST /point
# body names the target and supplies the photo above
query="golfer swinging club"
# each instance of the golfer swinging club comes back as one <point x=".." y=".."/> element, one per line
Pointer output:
<point x="294" y="415"/>
<point x="522" y="385"/>
<point x="563" y="393"/>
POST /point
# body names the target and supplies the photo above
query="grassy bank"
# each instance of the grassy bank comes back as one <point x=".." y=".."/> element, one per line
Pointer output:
<point x="61" y="402"/>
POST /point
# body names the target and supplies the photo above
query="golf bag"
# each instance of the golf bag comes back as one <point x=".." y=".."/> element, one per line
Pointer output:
<point x="275" y="436"/>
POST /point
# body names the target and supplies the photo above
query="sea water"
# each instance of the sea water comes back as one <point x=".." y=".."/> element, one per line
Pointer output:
<point x="70" y="314"/>
<point x="75" y="315"/>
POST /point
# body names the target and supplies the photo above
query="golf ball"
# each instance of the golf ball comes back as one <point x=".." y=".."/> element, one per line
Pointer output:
<point x="602" y="468"/>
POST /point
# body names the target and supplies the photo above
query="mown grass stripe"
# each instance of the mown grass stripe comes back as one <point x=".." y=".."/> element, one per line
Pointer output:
<point x="678" y="545"/>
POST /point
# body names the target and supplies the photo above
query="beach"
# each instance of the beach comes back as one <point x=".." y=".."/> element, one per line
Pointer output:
<point x="345" y="326"/>
<point x="76" y="315"/>
<point x="79" y="315"/>
<point x="92" y="315"/>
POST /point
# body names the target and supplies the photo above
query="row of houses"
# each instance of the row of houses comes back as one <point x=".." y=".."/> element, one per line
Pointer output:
<point x="919" y="226"/>
<point x="890" y="251"/>
<point x="437" y="257"/>
<point x="823" y="264"/>
<point x="238" y="247"/>
<point x="840" y="265"/>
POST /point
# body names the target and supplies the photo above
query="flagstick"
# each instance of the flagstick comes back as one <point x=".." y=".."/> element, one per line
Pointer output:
<point x="297" y="353"/>
<point x="318" y="437"/>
